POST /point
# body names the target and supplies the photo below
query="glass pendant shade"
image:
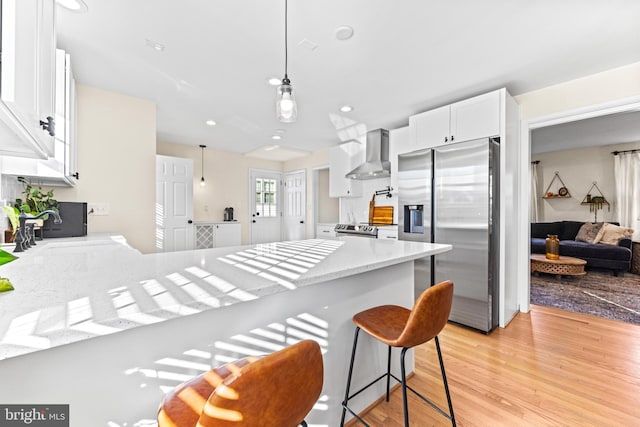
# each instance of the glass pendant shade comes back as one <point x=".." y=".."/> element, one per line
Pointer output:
<point x="286" y="108"/>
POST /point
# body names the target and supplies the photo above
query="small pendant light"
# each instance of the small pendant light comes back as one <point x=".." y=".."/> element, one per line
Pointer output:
<point x="286" y="108"/>
<point x="202" y="183"/>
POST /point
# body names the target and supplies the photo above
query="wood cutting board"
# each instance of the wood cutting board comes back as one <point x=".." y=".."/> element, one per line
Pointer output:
<point x="383" y="215"/>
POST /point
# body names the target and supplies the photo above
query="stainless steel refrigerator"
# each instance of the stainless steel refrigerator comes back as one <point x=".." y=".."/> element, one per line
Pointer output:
<point x="450" y="194"/>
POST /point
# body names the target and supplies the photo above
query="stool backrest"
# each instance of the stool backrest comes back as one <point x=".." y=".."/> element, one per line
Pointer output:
<point x="278" y="390"/>
<point x="428" y="315"/>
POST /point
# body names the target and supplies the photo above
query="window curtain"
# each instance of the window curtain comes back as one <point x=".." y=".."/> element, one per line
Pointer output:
<point x="626" y="170"/>
<point x="533" y="205"/>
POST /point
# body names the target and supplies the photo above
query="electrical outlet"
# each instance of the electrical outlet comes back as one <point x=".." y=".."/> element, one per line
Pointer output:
<point x="98" y="208"/>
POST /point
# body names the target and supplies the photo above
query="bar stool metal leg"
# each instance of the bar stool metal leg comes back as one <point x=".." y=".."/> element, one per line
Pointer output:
<point x="388" y="371"/>
<point x="346" y="393"/>
<point x="405" y="404"/>
<point x="446" y="383"/>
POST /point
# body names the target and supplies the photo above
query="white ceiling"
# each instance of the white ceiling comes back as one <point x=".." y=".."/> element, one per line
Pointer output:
<point x="405" y="57"/>
<point x="611" y="129"/>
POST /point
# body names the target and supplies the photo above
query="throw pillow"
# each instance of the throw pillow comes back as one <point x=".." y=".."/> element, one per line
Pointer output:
<point x="588" y="232"/>
<point x="612" y="234"/>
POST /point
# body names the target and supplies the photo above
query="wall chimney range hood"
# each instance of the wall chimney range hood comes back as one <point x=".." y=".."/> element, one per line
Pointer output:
<point x="377" y="163"/>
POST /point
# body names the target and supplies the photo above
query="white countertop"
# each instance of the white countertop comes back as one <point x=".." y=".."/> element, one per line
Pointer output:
<point x="68" y="290"/>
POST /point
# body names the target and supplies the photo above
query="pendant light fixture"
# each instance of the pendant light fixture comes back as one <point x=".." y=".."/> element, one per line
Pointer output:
<point x="202" y="183"/>
<point x="286" y="108"/>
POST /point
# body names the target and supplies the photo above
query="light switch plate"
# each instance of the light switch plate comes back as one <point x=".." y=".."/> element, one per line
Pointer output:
<point x="98" y="208"/>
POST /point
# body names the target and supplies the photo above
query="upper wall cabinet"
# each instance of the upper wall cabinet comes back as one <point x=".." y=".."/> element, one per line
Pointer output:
<point x="466" y="120"/>
<point x="27" y="78"/>
<point x="342" y="160"/>
<point x="61" y="168"/>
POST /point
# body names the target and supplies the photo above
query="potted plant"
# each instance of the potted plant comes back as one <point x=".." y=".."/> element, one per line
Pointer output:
<point x="12" y="214"/>
<point x="35" y="200"/>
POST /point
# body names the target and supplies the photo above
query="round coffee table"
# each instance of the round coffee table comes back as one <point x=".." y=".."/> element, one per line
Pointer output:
<point x="566" y="265"/>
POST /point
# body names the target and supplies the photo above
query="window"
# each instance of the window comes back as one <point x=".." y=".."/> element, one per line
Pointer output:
<point x="266" y="197"/>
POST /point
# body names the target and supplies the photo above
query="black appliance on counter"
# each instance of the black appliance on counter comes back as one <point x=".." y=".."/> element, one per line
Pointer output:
<point x="228" y="214"/>
<point x="74" y="221"/>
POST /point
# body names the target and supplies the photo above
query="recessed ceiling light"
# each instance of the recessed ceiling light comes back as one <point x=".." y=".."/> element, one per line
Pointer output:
<point x="346" y="108"/>
<point x="210" y="122"/>
<point x="274" y="81"/>
<point x="271" y="147"/>
<point x="344" y="32"/>
<point x="280" y="131"/>
<point x="276" y="137"/>
<point x="154" y="45"/>
<point x="75" y="5"/>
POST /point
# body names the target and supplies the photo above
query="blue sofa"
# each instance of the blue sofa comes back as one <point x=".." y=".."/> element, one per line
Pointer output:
<point x="599" y="255"/>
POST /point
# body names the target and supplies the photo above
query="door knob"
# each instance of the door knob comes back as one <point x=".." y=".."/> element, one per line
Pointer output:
<point x="190" y="222"/>
<point x="253" y="220"/>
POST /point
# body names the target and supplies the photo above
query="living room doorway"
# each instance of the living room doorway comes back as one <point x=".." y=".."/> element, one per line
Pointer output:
<point x="611" y="124"/>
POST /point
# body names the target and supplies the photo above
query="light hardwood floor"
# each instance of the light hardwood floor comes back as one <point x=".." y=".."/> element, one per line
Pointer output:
<point x="547" y="368"/>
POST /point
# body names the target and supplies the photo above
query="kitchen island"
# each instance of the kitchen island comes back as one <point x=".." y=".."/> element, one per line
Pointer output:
<point x="97" y="325"/>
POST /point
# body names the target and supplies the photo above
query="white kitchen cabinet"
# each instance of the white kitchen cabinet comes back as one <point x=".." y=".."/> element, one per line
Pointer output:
<point x="325" y="231"/>
<point x="388" y="232"/>
<point x="466" y="120"/>
<point x="342" y="160"/>
<point x="399" y="143"/>
<point x="61" y="168"/>
<point x="431" y="128"/>
<point x="27" y="85"/>
<point x="217" y="234"/>
<point x="476" y="117"/>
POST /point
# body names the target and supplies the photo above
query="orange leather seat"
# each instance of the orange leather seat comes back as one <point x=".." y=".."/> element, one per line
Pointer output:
<point x="400" y="327"/>
<point x="276" y="390"/>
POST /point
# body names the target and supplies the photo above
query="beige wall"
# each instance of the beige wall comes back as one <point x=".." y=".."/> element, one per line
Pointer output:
<point x="116" y="161"/>
<point x="610" y="85"/>
<point x="578" y="170"/>
<point x="314" y="160"/>
<point x="227" y="181"/>
<point x="328" y="207"/>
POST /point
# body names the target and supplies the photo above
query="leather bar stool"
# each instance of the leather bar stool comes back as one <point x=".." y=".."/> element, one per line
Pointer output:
<point x="277" y="390"/>
<point x="400" y="327"/>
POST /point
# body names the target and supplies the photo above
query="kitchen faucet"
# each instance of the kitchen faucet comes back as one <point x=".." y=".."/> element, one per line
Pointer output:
<point x="23" y="239"/>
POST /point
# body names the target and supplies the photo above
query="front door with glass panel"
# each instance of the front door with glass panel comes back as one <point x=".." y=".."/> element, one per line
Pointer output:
<point x="266" y="213"/>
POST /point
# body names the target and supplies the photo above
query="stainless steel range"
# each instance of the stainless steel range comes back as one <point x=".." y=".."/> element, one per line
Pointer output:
<point x="360" y="230"/>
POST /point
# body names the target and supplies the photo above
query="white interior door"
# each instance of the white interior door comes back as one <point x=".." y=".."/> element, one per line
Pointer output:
<point x="266" y="214"/>
<point x="174" y="204"/>
<point x="295" y="184"/>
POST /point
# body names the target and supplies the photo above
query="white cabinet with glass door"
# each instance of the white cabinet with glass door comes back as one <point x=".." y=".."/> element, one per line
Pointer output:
<point x="27" y="78"/>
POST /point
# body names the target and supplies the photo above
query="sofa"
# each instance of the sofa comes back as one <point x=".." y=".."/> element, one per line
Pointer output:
<point x="599" y="255"/>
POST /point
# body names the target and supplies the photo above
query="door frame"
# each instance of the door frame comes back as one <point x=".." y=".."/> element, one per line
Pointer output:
<point x="315" y="189"/>
<point x="251" y="190"/>
<point x="284" y="201"/>
<point x="524" y="230"/>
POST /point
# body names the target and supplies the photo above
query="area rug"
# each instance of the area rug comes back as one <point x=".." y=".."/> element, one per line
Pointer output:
<point x="598" y="293"/>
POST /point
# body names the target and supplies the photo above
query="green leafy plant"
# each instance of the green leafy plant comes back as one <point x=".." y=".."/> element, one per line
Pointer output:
<point x="35" y="200"/>
<point x="12" y="214"/>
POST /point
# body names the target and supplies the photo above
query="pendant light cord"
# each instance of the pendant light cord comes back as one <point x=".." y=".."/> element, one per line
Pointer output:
<point x="286" y="53"/>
